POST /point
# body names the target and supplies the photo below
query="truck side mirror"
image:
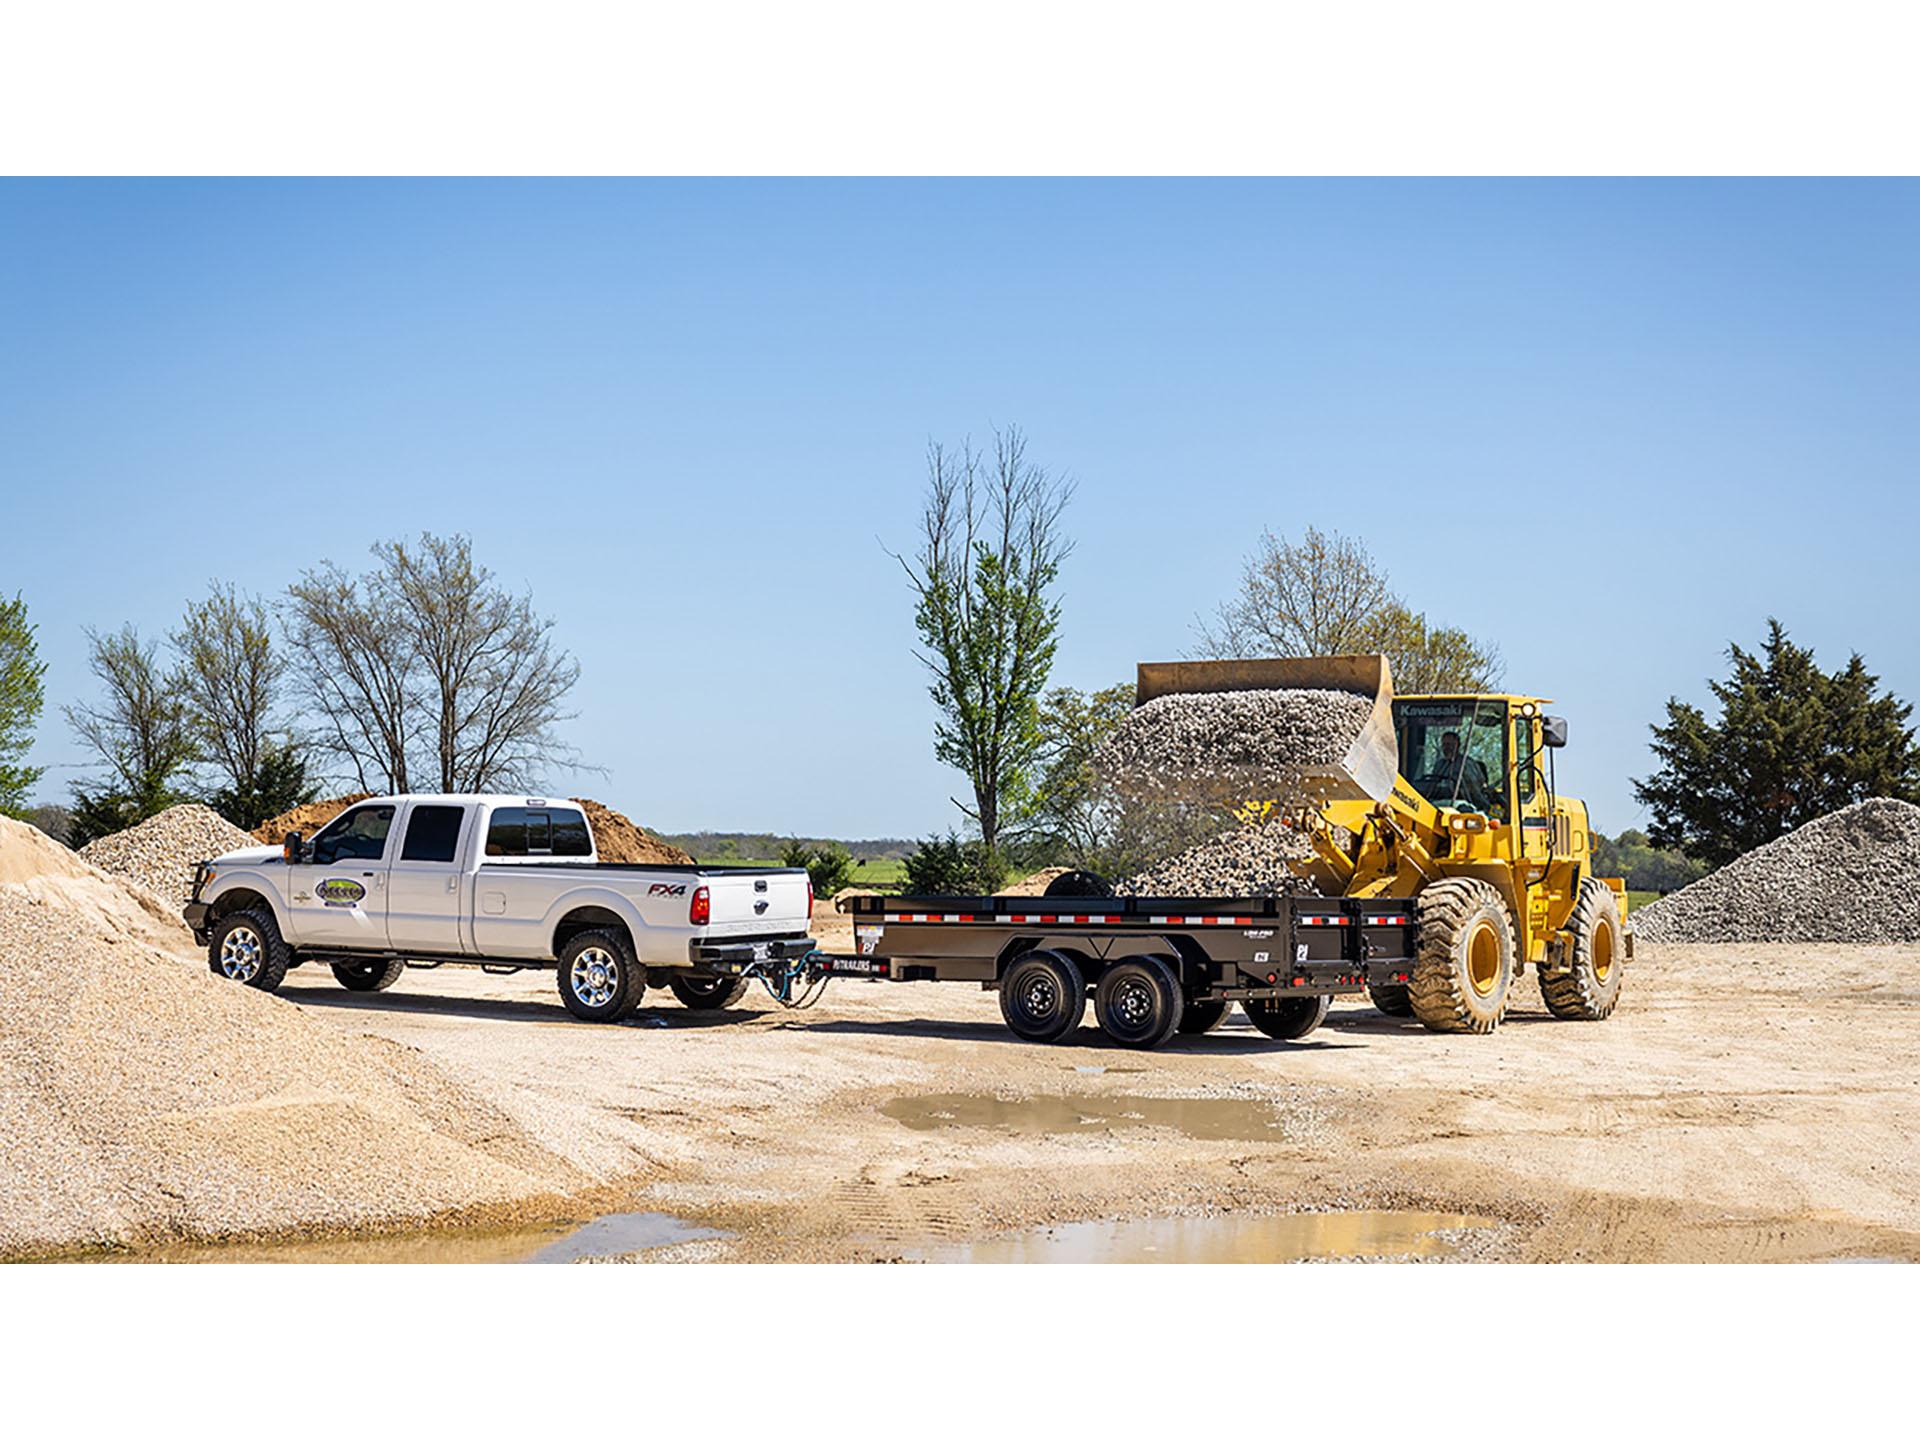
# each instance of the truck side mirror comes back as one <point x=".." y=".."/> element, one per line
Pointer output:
<point x="1553" y="731"/>
<point x="290" y="848"/>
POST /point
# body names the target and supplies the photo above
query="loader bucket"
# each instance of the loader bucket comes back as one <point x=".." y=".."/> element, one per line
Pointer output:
<point x="1370" y="767"/>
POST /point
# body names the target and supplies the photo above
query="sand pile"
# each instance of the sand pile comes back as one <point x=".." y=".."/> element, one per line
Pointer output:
<point x="1851" y="877"/>
<point x="306" y="818"/>
<point x="160" y="853"/>
<point x="1254" y="860"/>
<point x="1230" y="745"/>
<point x="619" y="841"/>
<point x="141" y="1099"/>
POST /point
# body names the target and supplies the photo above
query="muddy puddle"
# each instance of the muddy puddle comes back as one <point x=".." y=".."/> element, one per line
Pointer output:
<point x="533" y="1245"/>
<point x="1201" y="1119"/>
<point x="1223" y="1240"/>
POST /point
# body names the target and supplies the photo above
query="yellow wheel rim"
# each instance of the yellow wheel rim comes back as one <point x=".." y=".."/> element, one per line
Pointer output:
<point x="1483" y="958"/>
<point x="1602" y="952"/>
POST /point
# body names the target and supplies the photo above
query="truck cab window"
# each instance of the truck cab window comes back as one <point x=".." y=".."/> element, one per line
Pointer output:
<point x="357" y="835"/>
<point x="433" y="834"/>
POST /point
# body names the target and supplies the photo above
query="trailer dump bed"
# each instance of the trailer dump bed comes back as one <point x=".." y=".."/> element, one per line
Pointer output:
<point x="1154" y="967"/>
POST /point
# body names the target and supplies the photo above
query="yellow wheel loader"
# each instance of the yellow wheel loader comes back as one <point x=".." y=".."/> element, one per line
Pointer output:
<point x="1449" y="800"/>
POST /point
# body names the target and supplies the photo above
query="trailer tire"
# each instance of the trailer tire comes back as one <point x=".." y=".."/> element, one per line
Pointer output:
<point x="1292" y="1018"/>
<point x="1043" y="997"/>
<point x="246" y="946"/>
<point x="1463" y="967"/>
<point x="1203" y="1017"/>
<point x="706" y="992"/>
<point x="1138" y="1002"/>
<point x="368" y="975"/>
<point x="598" y="977"/>
<point x="1591" y="987"/>
<point x="1391" y="1000"/>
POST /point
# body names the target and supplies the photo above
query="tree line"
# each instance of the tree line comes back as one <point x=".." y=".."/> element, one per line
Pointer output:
<point x="420" y="671"/>
<point x="1792" y="742"/>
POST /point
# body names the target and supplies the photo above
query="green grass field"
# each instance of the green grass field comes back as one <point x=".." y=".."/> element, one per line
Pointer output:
<point x="1637" y="898"/>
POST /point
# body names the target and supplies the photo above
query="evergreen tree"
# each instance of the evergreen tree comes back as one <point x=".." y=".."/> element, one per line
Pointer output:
<point x="21" y="696"/>
<point x="1792" y="744"/>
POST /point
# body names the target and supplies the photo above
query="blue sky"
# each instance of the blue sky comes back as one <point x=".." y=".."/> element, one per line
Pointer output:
<point x="1609" y="425"/>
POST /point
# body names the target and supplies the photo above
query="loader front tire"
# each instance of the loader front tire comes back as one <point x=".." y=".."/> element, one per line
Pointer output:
<point x="1590" y="988"/>
<point x="1463" y="968"/>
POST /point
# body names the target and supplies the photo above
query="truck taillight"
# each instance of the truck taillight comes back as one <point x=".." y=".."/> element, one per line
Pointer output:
<point x="809" y="897"/>
<point x="701" y="911"/>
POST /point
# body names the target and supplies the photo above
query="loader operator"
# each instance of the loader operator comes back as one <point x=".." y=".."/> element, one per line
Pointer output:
<point x="1456" y="775"/>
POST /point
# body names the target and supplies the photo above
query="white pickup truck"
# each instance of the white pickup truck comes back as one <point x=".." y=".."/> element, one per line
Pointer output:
<point x="505" y="881"/>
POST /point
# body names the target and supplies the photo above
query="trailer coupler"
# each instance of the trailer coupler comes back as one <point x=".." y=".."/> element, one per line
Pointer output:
<point x="796" y="983"/>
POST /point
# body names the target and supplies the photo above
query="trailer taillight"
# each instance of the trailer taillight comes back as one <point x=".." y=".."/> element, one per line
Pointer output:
<point x="700" y="912"/>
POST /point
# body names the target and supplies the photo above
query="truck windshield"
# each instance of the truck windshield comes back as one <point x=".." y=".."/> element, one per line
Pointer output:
<point x="1454" y="752"/>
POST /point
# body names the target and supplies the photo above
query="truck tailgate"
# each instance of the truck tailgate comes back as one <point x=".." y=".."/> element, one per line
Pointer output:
<point x="764" y="902"/>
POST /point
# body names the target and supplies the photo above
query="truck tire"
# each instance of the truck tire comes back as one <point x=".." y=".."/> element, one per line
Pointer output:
<point x="1203" y="1017"/>
<point x="1463" y="968"/>
<point x="1591" y="988"/>
<point x="1043" y="997"/>
<point x="1293" y="1018"/>
<point x="1391" y="1000"/>
<point x="706" y="992"/>
<point x="367" y="975"/>
<point x="1138" y="1002"/>
<point x="599" y="979"/>
<point x="246" y="946"/>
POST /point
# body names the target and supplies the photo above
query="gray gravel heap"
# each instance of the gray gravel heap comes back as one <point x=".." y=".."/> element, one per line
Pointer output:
<point x="1851" y="877"/>
<point x="160" y="853"/>
<point x="1235" y="745"/>
<point x="1255" y="860"/>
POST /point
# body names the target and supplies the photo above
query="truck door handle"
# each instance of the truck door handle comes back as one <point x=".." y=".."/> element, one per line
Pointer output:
<point x="453" y="883"/>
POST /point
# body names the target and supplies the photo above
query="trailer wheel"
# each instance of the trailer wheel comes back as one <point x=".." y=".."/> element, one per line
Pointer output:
<point x="1292" y="1018"/>
<point x="1591" y="989"/>
<point x="368" y="975"/>
<point x="706" y="992"/>
<point x="1203" y="1017"/>
<point x="1138" y="1002"/>
<point x="1391" y="999"/>
<point x="598" y="977"/>
<point x="1463" y="970"/>
<point x="1043" y="997"/>
<point x="246" y="946"/>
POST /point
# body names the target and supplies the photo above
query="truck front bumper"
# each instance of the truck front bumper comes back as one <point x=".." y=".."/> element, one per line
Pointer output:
<point x="196" y="917"/>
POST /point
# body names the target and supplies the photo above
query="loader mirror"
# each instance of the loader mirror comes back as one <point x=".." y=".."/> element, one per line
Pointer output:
<point x="1553" y="731"/>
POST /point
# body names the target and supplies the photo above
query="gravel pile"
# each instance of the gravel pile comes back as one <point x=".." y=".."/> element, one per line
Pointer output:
<point x="1232" y="745"/>
<point x="160" y="853"/>
<point x="1256" y="860"/>
<point x="1851" y="877"/>
<point x="143" y="1100"/>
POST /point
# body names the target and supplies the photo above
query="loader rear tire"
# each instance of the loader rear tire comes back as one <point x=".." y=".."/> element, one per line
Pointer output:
<point x="1591" y="988"/>
<point x="1391" y="1000"/>
<point x="1292" y="1018"/>
<point x="1203" y="1017"/>
<point x="1463" y="968"/>
<point x="1043" y="997"/>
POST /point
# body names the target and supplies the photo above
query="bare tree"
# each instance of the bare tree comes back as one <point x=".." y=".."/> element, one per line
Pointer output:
<point x="1327" y="596"/>
<point x="139" y="731"/>
<point x="229" y="679"/>
<point x="991" y="549"/>
<point x="425" y="667"/>
<point x="494" y="686"/>
<point x="355" y="668"/>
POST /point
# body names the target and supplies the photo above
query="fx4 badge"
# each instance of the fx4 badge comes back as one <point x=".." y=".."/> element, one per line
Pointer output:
<point x="666" y="890"/>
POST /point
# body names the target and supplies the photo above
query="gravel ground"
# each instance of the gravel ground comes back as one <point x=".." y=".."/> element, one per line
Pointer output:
<point x="160" y="853"/>
<point x="1232" y="745"/>
<point x="1852" y="876"/>
<point x="1254" y="860"/>
<point x="143" y="1100"/>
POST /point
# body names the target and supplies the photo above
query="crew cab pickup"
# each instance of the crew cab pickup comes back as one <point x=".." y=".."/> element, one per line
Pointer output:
<point x="507" y="882"/>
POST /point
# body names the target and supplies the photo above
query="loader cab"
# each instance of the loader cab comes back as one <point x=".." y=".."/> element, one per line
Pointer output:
<point x="1455" y="750"/>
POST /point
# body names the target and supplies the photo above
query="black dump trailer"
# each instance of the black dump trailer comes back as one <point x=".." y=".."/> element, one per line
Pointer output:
<point x="1153" y="968"/>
